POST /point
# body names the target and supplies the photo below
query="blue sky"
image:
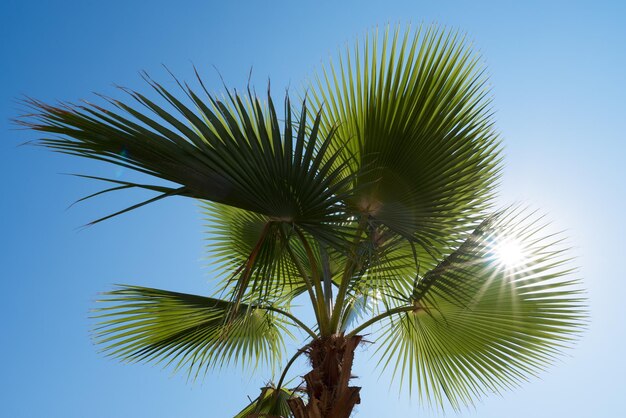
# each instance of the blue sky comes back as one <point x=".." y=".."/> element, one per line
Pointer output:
<point x="558" y="80"/>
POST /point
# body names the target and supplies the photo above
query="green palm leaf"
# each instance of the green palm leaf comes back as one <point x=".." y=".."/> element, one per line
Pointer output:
<point x="232" y="152"/>
<point x="476" y="324"/>
<point x="187" y="331"/>
<point x="414" y="125"/>
<point x="270" y="403"/>
<point x="386" y="268"/>
<point x="234" y="234"/>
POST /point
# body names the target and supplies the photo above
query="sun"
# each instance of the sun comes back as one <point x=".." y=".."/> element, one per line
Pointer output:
<point x="509" y="252"/>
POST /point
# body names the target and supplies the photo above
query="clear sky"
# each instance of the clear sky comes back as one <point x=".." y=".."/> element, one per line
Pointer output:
<point x="557" y="70"/>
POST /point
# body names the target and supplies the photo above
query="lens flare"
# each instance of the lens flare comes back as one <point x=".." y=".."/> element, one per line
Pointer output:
<point x="509" y="252"/>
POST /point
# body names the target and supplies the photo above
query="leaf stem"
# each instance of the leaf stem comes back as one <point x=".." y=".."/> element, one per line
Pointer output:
<point x="293" y="318"/>
<point x="325" y="320"/>
<point x="305" y="277"/>
<point x="348" y="271"/>
<point x="289" y="364"/>
<point x="328" y="282"/>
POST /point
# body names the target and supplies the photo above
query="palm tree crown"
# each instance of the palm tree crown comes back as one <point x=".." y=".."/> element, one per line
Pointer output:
<point x="372" y="199"/>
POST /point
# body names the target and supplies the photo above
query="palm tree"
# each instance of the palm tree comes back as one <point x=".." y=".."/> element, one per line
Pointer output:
<point x="372" y="200"/>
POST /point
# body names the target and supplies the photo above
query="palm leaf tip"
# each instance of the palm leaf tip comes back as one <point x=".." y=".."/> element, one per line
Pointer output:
<point x="139" y="324"/>
<point x="482" y="324"/>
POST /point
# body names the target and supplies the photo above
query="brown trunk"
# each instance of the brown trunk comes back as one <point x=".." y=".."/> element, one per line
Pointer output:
<point x="327" y="384"/>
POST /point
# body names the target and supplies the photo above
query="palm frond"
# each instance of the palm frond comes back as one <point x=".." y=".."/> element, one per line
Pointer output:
<point x="414" y="126"/>
<point x="234" y="235"/>
<point x="270" y="403"/>
<point x="139" y="324"/>
<point x="479" y="322"/>
<point x="386" y="268"/>
<point x="233" y="152"/>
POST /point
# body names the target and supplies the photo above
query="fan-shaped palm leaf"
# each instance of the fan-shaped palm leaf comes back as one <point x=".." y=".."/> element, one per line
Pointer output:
<point x="232" y="152"/>
<point x="476" y="324"/>
<point x="234" y="234"/>
<point x="413" y="110"/>
<point x="270" y="403"/>
<point x="187" y="331"/>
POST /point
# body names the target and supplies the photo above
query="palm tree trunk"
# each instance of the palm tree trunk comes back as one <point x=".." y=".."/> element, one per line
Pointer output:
<point x="329" y="395"/>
